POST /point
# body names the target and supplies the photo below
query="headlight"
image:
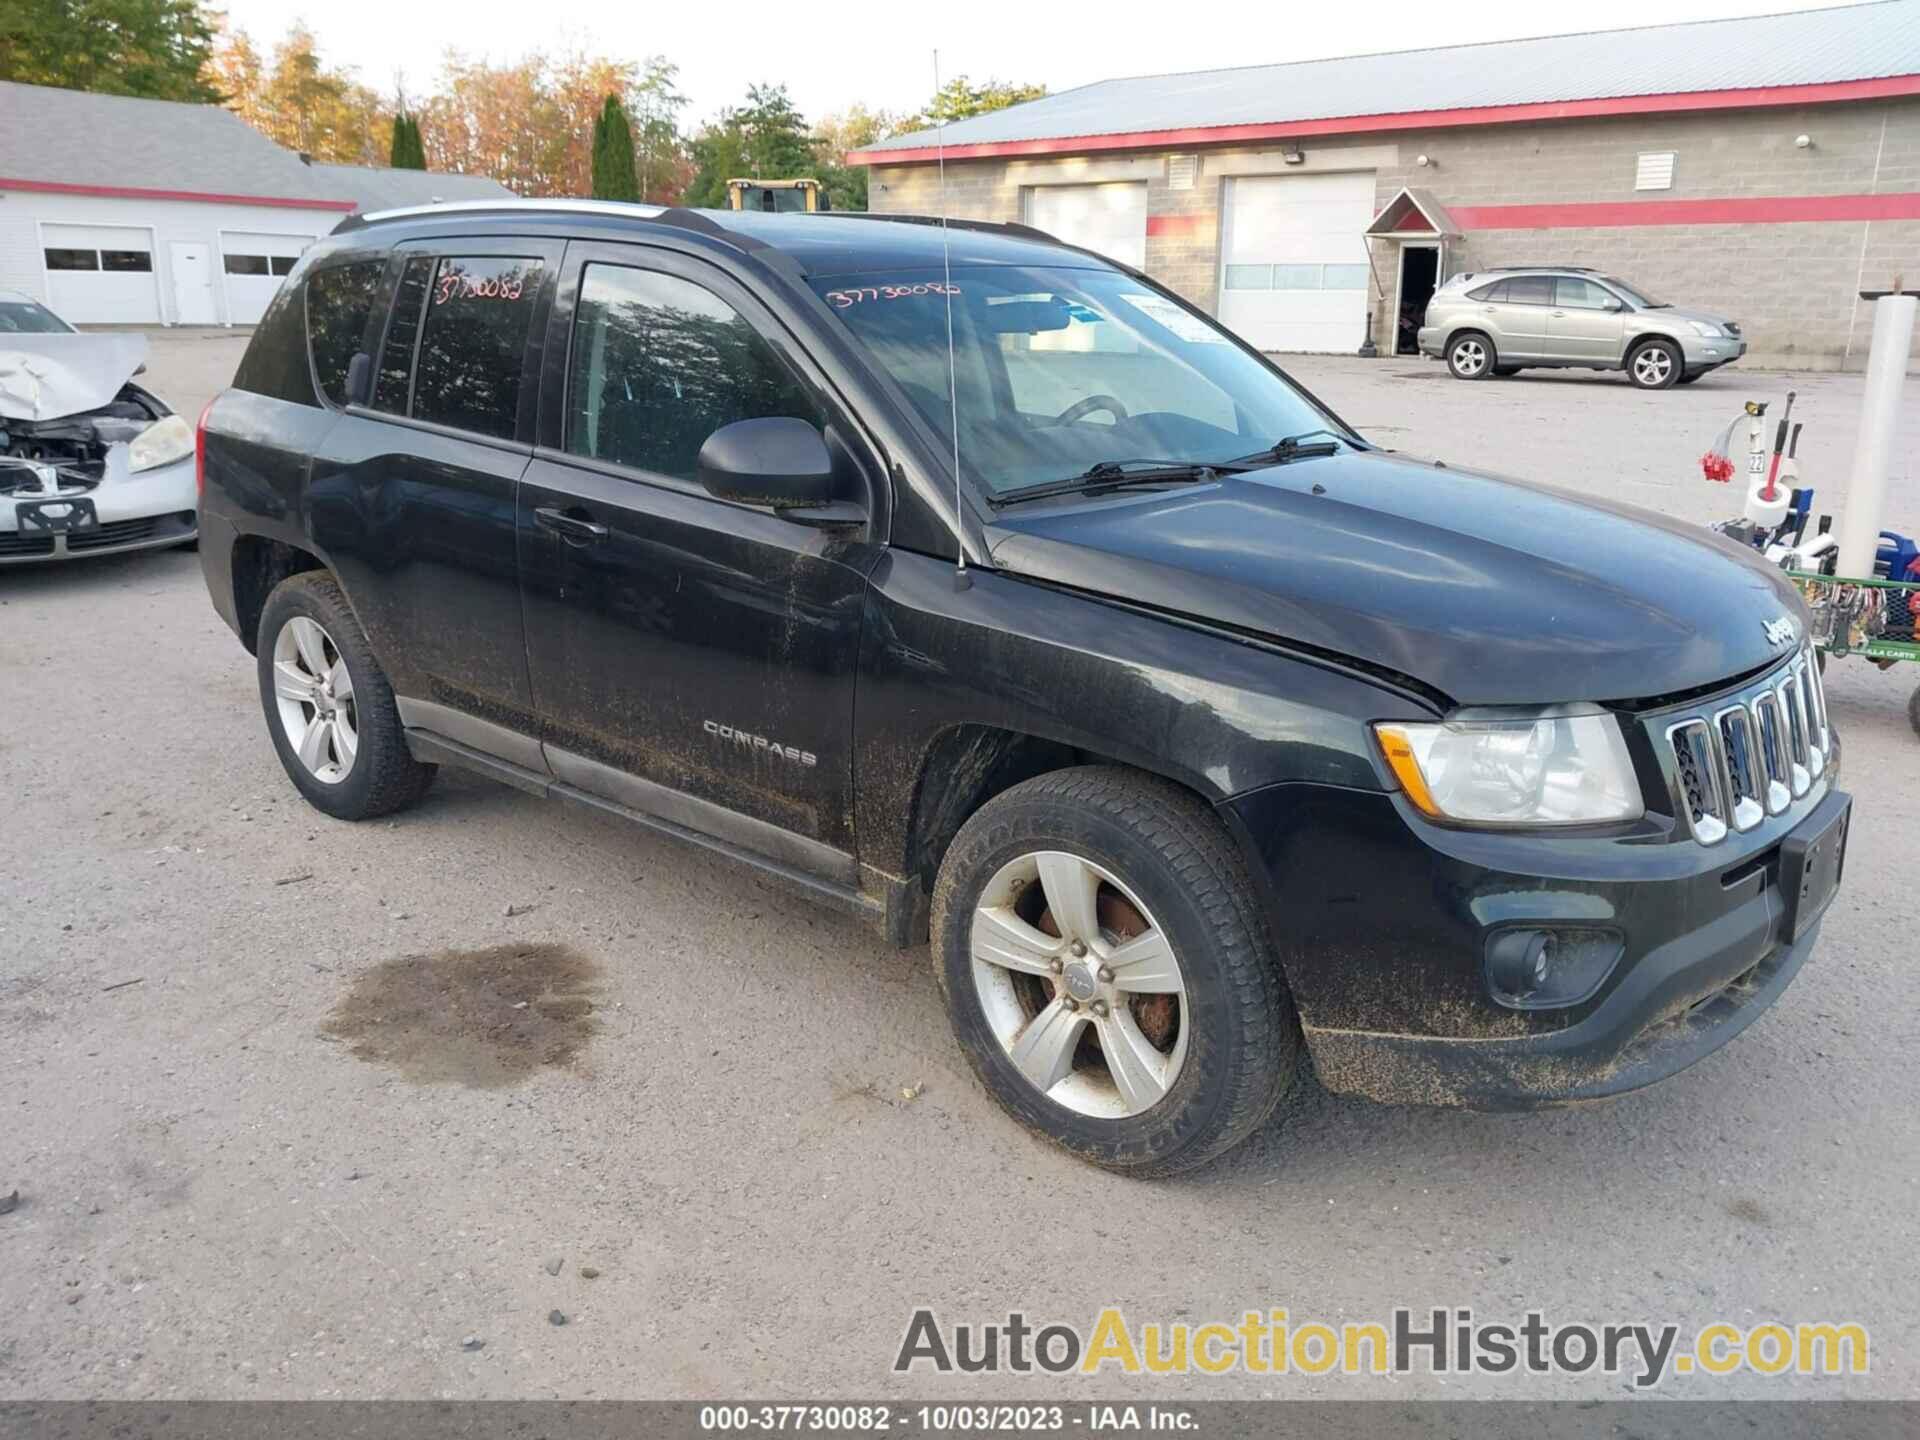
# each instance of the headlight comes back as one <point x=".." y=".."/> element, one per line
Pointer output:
<point x="1707" y="328"/>
<point x="161" y="443"/>
<point x="1564" y="766"/>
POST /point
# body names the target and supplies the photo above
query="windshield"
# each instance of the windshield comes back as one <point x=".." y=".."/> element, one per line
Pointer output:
<point x="1059" y="370"/>
<point x="23" y="317"/>
<point x="1643" y="300"/>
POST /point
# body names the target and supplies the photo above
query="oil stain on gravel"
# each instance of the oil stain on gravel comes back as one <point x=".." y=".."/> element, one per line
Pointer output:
<point x="484" y="1018"/>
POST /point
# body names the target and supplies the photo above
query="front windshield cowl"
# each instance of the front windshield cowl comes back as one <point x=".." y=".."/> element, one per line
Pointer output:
<point x="1058" y="370"/>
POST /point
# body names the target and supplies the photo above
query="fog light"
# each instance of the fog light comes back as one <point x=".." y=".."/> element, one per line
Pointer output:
<point x="1538" y="969"/>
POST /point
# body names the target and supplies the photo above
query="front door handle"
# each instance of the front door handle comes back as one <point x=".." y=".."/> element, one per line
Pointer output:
<point x="1559" y="314"/>
<point x="574" y="529"/>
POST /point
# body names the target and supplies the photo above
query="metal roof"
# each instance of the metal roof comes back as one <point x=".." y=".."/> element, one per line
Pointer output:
<point x="380" y="187"/>
<point x="1812" y="47"/>
<point x="73" y="138"/>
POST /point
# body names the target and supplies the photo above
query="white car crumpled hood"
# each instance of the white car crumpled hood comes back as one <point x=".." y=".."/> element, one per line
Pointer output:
<point x="43" y="377"/>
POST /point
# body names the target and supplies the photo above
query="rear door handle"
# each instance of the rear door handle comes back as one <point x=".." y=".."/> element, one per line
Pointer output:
<point x="574" y="529"/>
<point x="1559" y="314"/>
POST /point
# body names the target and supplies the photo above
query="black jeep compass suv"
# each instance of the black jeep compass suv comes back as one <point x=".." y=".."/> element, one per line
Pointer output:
<point x="980" y="586"/>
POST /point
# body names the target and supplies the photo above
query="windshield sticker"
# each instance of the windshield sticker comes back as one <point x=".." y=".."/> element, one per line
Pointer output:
<point x="847" y="299"/>
<point x="1162" y="310"/>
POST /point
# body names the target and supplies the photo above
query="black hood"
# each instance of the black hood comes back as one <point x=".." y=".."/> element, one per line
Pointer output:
<point x="1492" y="591"/>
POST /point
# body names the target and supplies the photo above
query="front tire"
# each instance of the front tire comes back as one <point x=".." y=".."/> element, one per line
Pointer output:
<point x="1655" y="365"/>
<point x="1470" y="356"/>
<point x="329" y="707"/>
<point x="1108" y="972"/>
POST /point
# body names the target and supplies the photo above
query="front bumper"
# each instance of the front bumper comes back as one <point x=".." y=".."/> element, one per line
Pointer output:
<point x="1383" y="920"/>
<point x="135" y="510"/>
<point x="1700" y="354"/>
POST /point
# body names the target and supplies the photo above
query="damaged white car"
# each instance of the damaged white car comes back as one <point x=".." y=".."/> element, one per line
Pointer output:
<point x="90" y="463"/>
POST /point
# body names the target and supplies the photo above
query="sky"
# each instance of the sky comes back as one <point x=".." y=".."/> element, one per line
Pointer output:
<point x="882" y="54"/>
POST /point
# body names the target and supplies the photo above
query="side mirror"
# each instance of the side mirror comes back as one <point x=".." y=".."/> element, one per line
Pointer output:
<point x="360" y="379"/>
<point x="777" y="461"/>
<point x="1616" y="306"/>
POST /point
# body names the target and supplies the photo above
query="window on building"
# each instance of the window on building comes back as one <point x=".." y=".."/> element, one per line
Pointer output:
<point x="73" y="259"/>
<point x="1572" y="293"/>
<point x="1249" y="277"/>
<point x="393" y="384"/>
<point x="339" y="305"/>
<point x="1530" y="290"/>
<point x="127" y="261"/>
<point x="283" y="264"/>
<point x="245" y="264"/>
<point x="659" y="363"/>
<point x="473" y="344"/>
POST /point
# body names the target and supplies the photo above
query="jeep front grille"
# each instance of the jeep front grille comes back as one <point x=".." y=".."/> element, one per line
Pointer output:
<point x="1754" y="757"/>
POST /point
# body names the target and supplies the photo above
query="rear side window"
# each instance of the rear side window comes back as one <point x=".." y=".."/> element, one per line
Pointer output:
<point x="659" y="364"/>
<point x="339" y="305"/>
<point x="1530" y="290"/>
<point x="473" y="343"/>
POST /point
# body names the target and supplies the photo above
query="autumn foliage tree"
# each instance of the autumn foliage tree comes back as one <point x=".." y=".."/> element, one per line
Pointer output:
<point x="298" y="101"/>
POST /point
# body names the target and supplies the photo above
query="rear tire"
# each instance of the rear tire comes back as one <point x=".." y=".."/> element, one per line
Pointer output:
<point x="1913" y="710"/>
<point x="1471" y="356"/>
<point x="1654" y="365"/>
<point x="1203" y="1035"/>
<point x="329" y="707"/>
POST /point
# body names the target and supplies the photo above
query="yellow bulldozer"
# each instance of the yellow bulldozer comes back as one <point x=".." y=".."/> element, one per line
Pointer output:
<point x="777" y="196"/>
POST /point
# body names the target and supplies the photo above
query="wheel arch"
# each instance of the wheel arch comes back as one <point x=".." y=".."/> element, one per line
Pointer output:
<point x="1485" y="334"/>
<point x="1646" y="335"/>
<point x="259" y="563"/>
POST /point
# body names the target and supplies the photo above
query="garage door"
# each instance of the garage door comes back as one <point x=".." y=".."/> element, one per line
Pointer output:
<point x="1294" y="260"/>
<point x="254" y="265"/>
<point x="100" y="274"/>
<point x="1110" y="220"/>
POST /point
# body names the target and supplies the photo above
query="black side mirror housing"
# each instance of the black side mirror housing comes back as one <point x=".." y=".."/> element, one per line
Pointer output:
<point x="779" y="461"/>
<point x="360" y="379"/>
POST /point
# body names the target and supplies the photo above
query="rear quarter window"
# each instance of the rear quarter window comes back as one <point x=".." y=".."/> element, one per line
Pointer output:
<point x="340" y="302"/>
<point x="275" y="364"/>
<point x="1494" y="293"/>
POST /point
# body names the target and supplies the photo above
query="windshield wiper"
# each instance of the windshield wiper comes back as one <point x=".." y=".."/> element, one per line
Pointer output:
<point x="1293" y="447"/>
<point x="1110" y="475"/>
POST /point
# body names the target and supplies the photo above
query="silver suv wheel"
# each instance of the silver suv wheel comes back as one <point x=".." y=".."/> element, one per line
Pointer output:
<point x="1079" y="985"/>
<point x="313" y="691"/>
<point x="1469" y="357"/>
<point x="1652" y="366"/>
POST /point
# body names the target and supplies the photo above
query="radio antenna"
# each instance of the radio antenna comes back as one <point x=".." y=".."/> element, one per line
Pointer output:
<point x="953" y="379"/>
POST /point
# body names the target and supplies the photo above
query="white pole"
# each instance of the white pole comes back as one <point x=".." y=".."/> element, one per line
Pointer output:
<point x="1873" y="456"/>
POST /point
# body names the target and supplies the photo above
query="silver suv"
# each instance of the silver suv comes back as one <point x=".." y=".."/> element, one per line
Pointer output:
<point x="1494" y="322"/>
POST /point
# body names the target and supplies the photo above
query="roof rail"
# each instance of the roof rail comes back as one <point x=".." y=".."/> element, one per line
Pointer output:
<point x="620" y="208"/>
<point x="1570" y="269"/>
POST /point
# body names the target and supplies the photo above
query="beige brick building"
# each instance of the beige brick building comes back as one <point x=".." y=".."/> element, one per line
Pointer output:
<point x="1766" y="169"/>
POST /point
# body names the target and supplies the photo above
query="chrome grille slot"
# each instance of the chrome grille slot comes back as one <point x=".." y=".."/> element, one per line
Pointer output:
<point x="1774" y="759"/>
<point x="1793" y="717"/>
<point x="1703" y="787"/>
<point x="1815" y="701"/>
<point x="1746" y="779"/>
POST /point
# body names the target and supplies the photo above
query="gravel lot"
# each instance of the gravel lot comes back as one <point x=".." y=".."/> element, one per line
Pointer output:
<point x="234" y="1183"/>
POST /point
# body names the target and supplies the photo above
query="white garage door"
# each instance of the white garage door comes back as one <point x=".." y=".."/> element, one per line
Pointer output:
<point x="1294" y="260"/>
<point x="100" y="274"/>
<point x="254" y="265"/>
<point x="1109" y="220"/>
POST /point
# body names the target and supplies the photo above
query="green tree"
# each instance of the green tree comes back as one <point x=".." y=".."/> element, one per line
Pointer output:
<point x="613" y="177"/>
<point x="834" y="138"/>
<point x="151" y="48"/>
<point x="765" y="139"/>
<point x="655" y="102"/>
<point x="961" y="99"/>
<point x="406" y="152"/>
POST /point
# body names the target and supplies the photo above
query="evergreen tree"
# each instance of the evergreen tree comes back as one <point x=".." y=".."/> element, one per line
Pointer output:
<point x="613" y="175"/>
<point x="407" y="153"/>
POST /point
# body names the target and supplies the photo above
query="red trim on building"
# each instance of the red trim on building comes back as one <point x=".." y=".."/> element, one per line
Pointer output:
<point x="135" y="192"/>
<point x="1754" y="210"/>
<point x="1754" y="98"/>
<point x="1179" y="227"/>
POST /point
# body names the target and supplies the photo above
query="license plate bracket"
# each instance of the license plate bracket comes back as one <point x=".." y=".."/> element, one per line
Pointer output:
<point x="1812" y="860"/>
<point x="50" y="517"/>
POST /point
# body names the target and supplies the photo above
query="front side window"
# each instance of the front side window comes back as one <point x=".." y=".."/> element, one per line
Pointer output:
<point x="473" y="343"/>
<point x="1638" y="296"/>
<point x="659" y="363"/>
<point x="1573" y="293"/>
<point x="1058" y="369"/>
<point x="339" y="304"/>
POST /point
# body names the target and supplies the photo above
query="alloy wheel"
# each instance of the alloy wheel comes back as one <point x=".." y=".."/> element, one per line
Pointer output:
<point x="1652" y="366"/>
<point x="1079" y="984"/>
<point x="1470" y="357"/>
<point x="313" y="692"/>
